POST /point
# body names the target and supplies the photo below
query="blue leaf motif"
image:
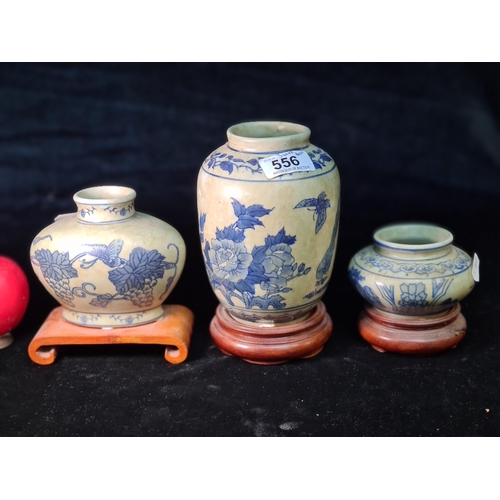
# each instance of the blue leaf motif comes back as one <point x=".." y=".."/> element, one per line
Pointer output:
<point x="230" y="233"/>
<point x="248" y="222"/>
<point x="239" y="209"/>
<point x="258" y="210"/>
<point x="101" y="300"/>
<point x="56" y="266"/>
<point x="280" y="237"/>
<point x="245" y="286"/>
<point x="141" y="266"/>
<point x="227" y="166"/>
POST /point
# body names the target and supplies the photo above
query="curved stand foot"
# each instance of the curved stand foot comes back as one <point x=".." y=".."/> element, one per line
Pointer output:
<point x="264" y="345"/>
<point x="172" y="330"/>
<point x="5" y="340"/>
<point x="417" y="336"/>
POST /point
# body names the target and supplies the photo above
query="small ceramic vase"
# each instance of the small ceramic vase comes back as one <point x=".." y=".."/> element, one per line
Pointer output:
<point x="106" y="264"/>
<point x="412" y="277"/>
<point x="268" y="238"/>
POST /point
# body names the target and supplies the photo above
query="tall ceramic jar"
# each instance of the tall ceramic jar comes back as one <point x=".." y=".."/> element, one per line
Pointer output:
<point x="268" y="204"/>
<point x="108" y="265"/>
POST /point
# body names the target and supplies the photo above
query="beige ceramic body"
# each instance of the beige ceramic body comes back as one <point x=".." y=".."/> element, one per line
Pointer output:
<point x="108" y="265"/>
<point x="412" y="270"/>
<point x="266" y="260"/>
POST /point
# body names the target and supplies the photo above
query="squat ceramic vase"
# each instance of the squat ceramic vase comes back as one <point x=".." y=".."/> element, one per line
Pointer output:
<point x="412" y="279"/>
<point x="268" y="205"/>
<point x="108" y="265"/>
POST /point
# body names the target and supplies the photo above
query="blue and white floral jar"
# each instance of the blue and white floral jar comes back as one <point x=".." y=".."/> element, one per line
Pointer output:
<point x="106" y="264"/>
<point x="269" y="237"/>
<point x="412" y="270"/>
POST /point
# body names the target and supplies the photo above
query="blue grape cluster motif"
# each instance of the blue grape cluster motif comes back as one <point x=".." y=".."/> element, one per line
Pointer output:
<point x="134" y="279"/>
<point x="259" y="277"/>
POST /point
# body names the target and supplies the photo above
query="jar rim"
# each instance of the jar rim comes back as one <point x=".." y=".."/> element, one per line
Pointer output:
<point x="104" y="195"/>
<point x="413" y="237"/>
<point x="267" y="136"/>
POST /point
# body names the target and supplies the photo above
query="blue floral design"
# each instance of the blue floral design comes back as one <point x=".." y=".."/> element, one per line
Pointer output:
<point x="355" y="275"/>
<point x="123" y="211"/>
<point x="365" y="291"/>
<point x="278" y="266"/>
<point x="230" y="260"/>
<point x="134" y="279"/>
<point x="319" y="158"/>
<point x="459" y="264"/>
<point x="413" y="295"/>
<point x="229" y="163"/>
<point x="88" y="211"/>
<point x="258" y="277"/>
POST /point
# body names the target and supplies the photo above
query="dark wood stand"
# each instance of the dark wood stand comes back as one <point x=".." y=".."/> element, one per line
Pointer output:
<point x="420" y="336"/>
<point x="172" y="330"/>
<point x="270" y="345"/>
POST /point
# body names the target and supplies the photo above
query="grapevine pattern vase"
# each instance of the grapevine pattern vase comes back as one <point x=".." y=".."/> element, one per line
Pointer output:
<point x="108" y="265"/>
<point x="268" y="242"/>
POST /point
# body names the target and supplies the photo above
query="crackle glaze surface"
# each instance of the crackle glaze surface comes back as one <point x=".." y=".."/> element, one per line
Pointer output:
<point x="412" y="279"/>
<point x="108" y="265"/>
<point x="268" y="244"/>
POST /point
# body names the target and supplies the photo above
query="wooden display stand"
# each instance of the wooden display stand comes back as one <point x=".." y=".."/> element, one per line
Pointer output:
<point x="417" y="336"/>
<point x="269" y="345"/>
<point x="173" y="330"/>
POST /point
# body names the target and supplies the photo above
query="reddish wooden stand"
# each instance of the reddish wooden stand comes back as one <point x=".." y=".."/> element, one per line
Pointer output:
<point x="173" y="330"/>
<point x="420" y="336"/>
<point x="269" y="345"/>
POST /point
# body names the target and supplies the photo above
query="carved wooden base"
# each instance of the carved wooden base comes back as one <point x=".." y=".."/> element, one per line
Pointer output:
<point x="269" y="345"/>
<point x="5" y="340"/>
<point x="173" y="330"/>
<point x="417" y="336"/>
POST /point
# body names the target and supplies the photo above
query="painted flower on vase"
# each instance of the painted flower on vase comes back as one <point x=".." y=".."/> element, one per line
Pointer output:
<point x="278" y="266"/>
<point x="413" y="295"/>
<point x="230" y="260"/>
<point x="256" y="277"/>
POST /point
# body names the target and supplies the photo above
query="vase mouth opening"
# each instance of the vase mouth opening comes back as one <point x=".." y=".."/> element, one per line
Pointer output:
<point x="413" y="237"/>
<point x="104" y="195"/>
<point x="268" y="136"/>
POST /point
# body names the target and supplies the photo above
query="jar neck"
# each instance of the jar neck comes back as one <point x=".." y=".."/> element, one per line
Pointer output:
<point x="267" y="136"/>
<point x="104" y="204"/>
<point x="414" y="254"/>
<point x="413" y="241"/>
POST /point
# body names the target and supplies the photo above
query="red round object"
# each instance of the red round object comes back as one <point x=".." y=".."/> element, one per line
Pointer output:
<point x="14" y="294"/>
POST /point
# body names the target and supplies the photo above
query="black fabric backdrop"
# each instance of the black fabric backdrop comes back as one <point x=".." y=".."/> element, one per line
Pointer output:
<point x="413" y="142"/>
